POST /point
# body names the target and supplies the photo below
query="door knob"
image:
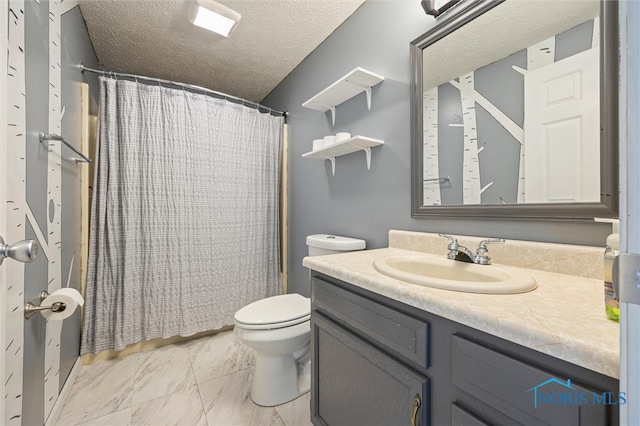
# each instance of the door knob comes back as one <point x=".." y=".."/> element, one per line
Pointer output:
<point x="22" y="251"/>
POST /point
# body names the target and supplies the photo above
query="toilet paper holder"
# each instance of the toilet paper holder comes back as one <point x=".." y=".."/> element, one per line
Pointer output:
<point x="30" y="309"/>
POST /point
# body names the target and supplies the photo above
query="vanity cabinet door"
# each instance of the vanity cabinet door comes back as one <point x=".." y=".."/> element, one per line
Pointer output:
<point x="461" y="417"/>
<point x="509" y="385"/>
<point x="355" y="384"/>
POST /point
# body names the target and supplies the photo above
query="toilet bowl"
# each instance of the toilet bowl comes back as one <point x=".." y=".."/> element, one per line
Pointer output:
<point x="279" y="330"/>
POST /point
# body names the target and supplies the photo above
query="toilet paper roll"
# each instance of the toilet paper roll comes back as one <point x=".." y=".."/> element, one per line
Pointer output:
<point x="317" y="144"/>
<point x="69" y="296"/>
<point x="329" y="140"/>
<point x="342" y="136"/>
<point x="73" y="293"/>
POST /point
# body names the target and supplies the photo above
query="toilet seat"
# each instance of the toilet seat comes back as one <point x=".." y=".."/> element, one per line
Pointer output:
<point x="272" y="326"/>
<point x="274" y="312"/>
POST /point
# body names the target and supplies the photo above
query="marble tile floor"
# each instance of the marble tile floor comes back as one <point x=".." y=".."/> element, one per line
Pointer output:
<point x="200" y="382"/>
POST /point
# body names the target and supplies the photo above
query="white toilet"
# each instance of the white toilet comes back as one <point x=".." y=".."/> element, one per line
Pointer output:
<point x="278" y="328"/>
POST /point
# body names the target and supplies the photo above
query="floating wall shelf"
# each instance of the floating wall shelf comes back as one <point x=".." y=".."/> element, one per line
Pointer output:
<point x="357" y="81"/>
<point x="356" y="143"/>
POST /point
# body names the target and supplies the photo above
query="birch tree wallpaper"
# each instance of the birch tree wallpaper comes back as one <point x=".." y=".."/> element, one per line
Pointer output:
<point x="473" y="141"/>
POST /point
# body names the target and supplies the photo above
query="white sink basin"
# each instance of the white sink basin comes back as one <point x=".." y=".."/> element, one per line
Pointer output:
<point x="440" y="272"/>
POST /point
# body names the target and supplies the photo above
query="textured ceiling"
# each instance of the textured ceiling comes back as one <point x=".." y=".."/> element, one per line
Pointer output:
<point x="154" y="38"/>
<point x="503" y="30"/>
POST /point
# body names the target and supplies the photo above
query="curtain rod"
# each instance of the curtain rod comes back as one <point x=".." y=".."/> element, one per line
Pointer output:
<point x="255" y="105"/>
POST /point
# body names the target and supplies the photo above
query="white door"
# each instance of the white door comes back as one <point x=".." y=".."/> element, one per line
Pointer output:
<point x="630" y="203"/>
<point x="562" y="131"/>
<point x="31" y="352"/>
<point x="12" y="177"/>
<point x="3" y="187"/>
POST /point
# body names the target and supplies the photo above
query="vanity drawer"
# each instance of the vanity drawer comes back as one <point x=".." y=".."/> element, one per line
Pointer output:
<point x="509" y="386"/>
<point x="394" y="331"/>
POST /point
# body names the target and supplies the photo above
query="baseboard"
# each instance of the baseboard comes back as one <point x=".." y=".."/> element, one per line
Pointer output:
<point x="64" y="394"/>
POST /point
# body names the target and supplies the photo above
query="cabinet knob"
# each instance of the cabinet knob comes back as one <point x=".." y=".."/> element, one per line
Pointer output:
<point x="416" y="407"/>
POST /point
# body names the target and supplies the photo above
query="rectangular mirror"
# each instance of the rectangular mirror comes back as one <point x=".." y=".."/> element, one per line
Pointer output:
<point x="514" y="111"/>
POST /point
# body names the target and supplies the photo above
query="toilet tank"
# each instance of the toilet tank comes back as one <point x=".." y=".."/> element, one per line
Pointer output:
<point x="321" y="244"/>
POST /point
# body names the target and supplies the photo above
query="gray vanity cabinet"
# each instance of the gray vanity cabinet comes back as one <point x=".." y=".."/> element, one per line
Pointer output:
<point x="376" y="361"/>
<point x="385" y="393"/>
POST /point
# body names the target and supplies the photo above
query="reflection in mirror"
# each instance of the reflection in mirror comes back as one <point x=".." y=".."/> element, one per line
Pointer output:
<point x="508" y="104"/>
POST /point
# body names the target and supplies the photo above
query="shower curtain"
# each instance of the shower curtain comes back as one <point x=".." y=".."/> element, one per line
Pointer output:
<point x="184" y="221"/>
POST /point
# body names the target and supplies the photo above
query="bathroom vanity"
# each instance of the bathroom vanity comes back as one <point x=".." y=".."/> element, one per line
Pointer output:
<point x="387" y="352"/>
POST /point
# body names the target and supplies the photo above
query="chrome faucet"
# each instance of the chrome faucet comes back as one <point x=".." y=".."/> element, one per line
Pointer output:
<point x="463" y="254"/>
<point x="457" y="251"/>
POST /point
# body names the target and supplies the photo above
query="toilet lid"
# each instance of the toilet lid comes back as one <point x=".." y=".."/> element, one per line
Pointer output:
<point x="286" y="308"/>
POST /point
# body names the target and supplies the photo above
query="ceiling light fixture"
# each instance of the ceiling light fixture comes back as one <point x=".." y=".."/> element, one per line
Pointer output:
<point x="214" y="17"/>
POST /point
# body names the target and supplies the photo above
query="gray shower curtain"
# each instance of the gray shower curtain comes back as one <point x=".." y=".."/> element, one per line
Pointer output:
<point x="184" y="221"/>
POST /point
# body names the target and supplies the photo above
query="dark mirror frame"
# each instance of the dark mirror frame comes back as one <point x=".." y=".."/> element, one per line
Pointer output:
<point x="609" y="59"/>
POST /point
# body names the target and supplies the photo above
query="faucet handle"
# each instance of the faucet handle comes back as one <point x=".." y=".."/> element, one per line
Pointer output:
<point x="452" y="247"/>
<point x="453" y="241"/>
<point x="483" y="243"/>
<point x="482" y="256"/>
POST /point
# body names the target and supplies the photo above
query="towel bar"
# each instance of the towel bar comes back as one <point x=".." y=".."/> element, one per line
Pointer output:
<point x="52" y="137"/>
<point x="440" y="179"/>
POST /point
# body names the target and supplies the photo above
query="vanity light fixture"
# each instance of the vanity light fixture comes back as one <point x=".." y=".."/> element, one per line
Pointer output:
<point x="437" y="7"/>
<point x="214" y="16"/>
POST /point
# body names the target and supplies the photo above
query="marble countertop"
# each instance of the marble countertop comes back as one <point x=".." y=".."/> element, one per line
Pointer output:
<point x="564" y="317"/>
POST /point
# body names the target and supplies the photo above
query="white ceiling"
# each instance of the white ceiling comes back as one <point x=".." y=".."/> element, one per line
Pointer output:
<point x="154" y="38"/>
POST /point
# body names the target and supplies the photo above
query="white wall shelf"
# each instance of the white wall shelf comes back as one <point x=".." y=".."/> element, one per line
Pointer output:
<point x="353" y="144"/>
<point x="357" y="81"/>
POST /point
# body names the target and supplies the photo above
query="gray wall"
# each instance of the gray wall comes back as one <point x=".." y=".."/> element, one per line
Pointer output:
<point x="366" y="204"/>
<point x="76" y="48"/>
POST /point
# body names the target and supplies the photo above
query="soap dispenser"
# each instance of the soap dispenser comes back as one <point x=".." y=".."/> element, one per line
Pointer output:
<point x="612" y="249"/>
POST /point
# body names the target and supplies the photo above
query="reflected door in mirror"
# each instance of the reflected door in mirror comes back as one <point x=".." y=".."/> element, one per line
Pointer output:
<point x="562" y="131"/>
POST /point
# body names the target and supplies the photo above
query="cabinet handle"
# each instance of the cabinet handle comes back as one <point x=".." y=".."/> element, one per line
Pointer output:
<point x="416" y="406"/>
